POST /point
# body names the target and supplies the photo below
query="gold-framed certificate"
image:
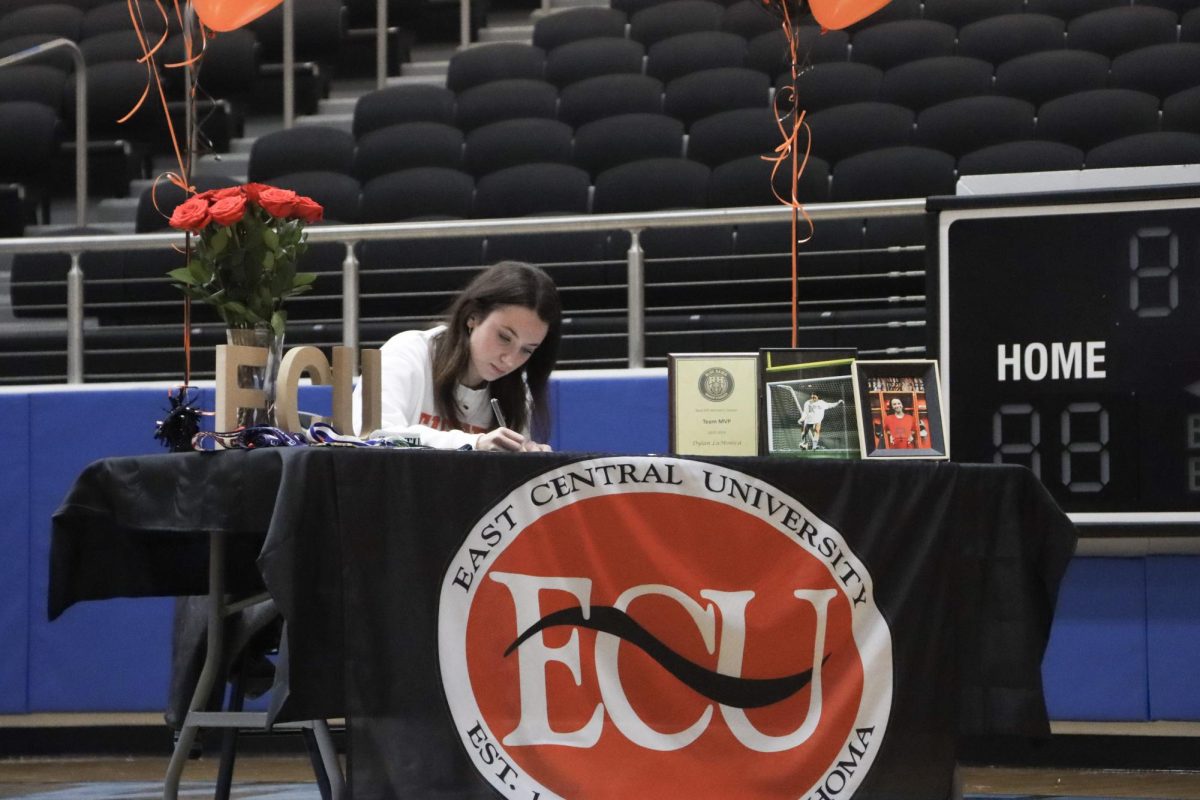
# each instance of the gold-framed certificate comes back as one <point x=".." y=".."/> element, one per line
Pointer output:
<point x="713" y="403"/>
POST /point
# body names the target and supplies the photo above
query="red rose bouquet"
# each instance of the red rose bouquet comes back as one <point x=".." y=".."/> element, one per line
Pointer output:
<point x="244" y="262"/>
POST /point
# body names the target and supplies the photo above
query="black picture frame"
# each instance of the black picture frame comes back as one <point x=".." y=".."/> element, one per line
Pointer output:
<point x="919" y="430"/>
<point x="786" y="376"/>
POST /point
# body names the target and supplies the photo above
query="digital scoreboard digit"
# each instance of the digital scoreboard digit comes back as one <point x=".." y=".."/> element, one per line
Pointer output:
<point x="1069" y="340"/>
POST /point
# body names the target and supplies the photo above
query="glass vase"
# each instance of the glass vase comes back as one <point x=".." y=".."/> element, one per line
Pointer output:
<point x="262" y="378"/>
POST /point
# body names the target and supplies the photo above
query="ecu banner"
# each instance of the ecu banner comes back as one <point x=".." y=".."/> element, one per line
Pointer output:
<point x="641" y="627"/>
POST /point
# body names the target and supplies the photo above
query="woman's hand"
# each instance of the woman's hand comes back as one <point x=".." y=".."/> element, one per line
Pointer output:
<point x="510" y="440"/>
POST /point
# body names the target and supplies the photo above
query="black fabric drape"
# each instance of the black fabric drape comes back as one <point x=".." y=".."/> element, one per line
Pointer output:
<point x="966" y="562"/>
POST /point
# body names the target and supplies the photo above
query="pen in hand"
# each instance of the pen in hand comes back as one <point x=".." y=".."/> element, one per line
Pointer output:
<point x="499" y="414"/>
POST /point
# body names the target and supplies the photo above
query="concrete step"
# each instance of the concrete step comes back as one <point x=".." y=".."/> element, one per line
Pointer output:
<point x="343" y="122"/>
<point x="231" y="165"/>
<point x="412" y="80"/>
<point x="509" y="33"/>
<point x="115" y="209"/>
<point x="418" y="69"/>
<point x="337" y="105"/>
<point x="242" y="145"/>
<point x="559" y="5"/>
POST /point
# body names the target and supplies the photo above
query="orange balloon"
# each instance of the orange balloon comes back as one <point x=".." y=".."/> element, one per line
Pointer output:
<point x="228" y="15"/>
<point x="837" y="14"/>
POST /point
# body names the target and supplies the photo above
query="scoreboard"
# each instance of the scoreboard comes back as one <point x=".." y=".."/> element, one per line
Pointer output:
<point x="1067" y="327"/>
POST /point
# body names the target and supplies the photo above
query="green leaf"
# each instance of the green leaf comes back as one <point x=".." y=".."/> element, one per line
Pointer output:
<point x="304" y="279"/>
<point x="279" y="322"/>
<point x="270" y="238"/>
<point x="218" y="242"/>
<point x="183" y="275"/>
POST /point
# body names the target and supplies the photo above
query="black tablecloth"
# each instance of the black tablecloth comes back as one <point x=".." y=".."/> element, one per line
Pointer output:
<point x="354" y="544"/>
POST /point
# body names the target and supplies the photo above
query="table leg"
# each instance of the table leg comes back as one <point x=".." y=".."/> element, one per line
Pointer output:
<point x="212" y="664"/>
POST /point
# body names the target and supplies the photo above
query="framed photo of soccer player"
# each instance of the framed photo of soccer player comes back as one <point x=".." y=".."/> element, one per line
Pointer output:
<point x="900" y="409"/>
<point x="808" y="403"/>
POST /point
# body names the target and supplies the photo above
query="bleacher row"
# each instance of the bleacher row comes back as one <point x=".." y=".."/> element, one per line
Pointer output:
<point x="648" y="106"/>
<point x="895" y="110"/>
<point x="38" y="94"/>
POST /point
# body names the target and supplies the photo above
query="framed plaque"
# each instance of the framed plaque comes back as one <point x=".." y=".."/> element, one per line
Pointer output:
<point x="713" y="403"/>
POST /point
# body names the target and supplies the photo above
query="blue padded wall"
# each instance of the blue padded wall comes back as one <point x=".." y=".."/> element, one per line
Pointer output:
<point x="1173" y="636"/>
<point x="106" y="655"/>
<point x="14" y="554"/>
<point x="1095" y="664"/>
<point x="622" y="412"/>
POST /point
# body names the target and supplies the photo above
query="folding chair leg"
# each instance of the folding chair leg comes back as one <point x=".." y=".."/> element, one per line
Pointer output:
<point x="318" y="765"/>
<point x="237" y="701"/>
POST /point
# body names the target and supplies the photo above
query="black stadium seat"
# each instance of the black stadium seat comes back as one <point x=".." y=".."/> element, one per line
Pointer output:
<point x="33" y="84"/>
<point x="1087" y="119"/>
<point x="929" y="81"/>
<point x="673" y="18"/>
<point x="588" y="58"/>
<point x="608" y="96"/>
<point x="506" y="99"/>
<point x="1025" y="156"/>
<point x="893" y="172"/>
<point x="492" y="62"/>
<point x="1160" y="70"/>
<point x="315" y="147"/>
<point x="1069" y="9"/>
<point x="971" y="123"/>
<point x="418" y="192"/>
<point x="963" y="12"/>
<point x="768" y="52"/>
<point x="533" y="188"/>
<point x="1114" y="31"/>
<point x="29" y="142"/>
<point x="835" y="83"/>
<point x="114" y="16"/>
<point x="53" y="19"/>
<point x="747" y="182"/>
<point x="511" y="142"/>
<point x="1038" y="77"/>
<point x="1181" y="111"/>
<point x="1146" y="150"/>
<point x="891" y="43"/>
<point x="407" y="145"/>
<point x="844" y="131"/>
<point x="729" y="135"/>
<point x="653" y="184"/>
<point x="686" y="53"/>
<point x="998" y="39"/>
<point x="708" y="91"/>
<point x="748" y="19"/>
<point x="395" y="104"/>
<point x="573" y="24"/>
<point x="610" y="141"/>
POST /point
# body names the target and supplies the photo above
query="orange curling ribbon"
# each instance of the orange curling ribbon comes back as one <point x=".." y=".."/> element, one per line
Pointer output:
<point x="183" y="150"/>
<point x="790" y="119"/>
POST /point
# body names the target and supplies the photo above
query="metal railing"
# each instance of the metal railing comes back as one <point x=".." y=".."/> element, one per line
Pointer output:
<point x="81" y="137"/>
<point x="351" y="235"/>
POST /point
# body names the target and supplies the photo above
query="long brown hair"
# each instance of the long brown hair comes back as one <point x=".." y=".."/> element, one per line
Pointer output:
<point x="508" y="283"/>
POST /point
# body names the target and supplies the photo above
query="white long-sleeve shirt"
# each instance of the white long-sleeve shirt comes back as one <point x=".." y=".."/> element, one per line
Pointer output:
<point x="814" y="410"/>
<point x="408" y="405"/>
